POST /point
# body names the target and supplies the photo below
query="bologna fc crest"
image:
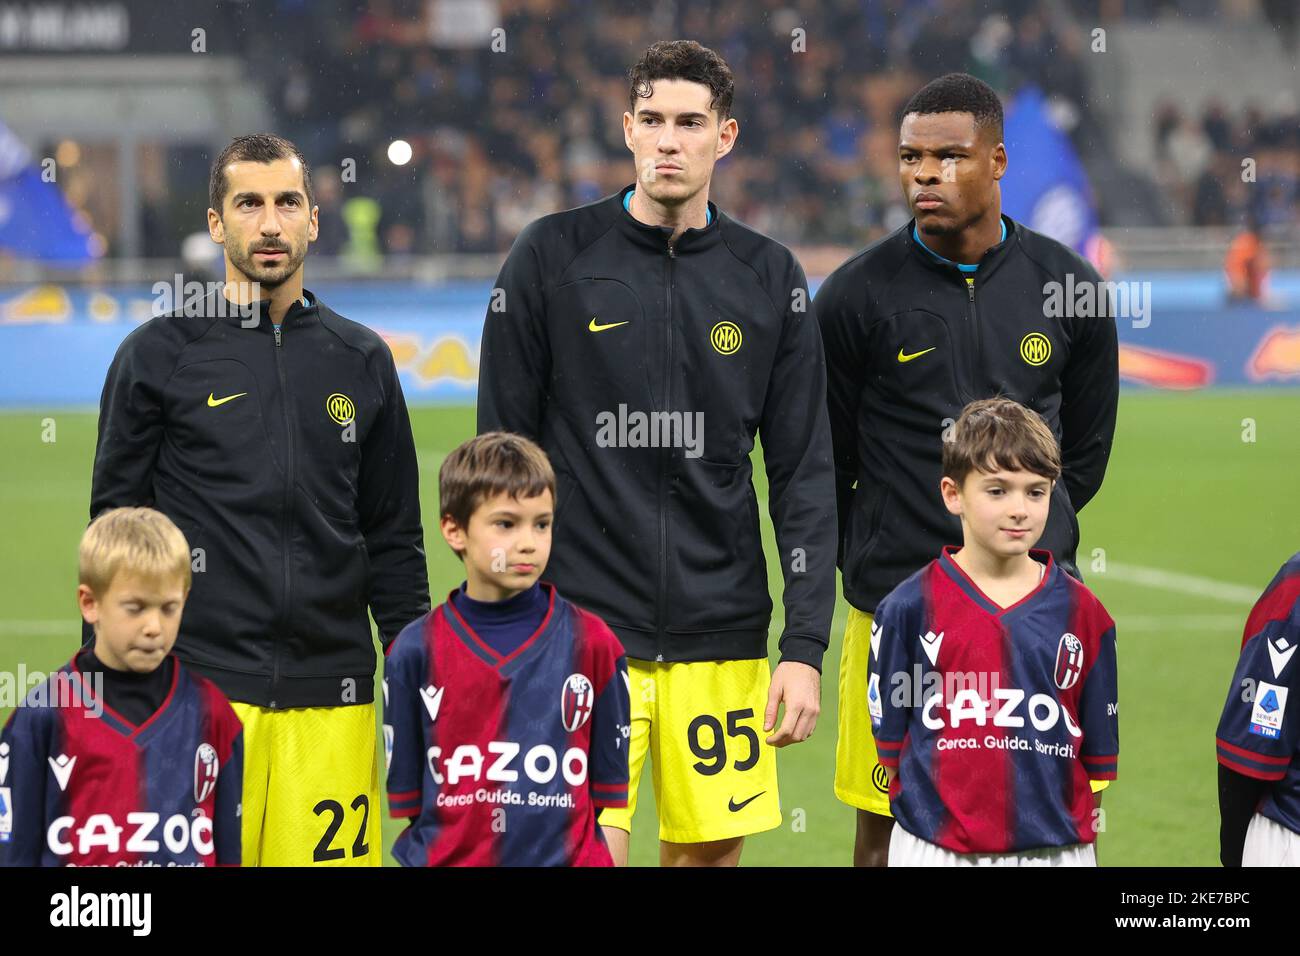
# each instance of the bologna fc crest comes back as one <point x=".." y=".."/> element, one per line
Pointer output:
<point x="205" y="771"/>
<point x="576" y="701"/>
<point x="1069" y="661"/>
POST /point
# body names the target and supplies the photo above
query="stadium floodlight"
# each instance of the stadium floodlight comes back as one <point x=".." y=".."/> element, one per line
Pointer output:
<point x="399" y="152"/>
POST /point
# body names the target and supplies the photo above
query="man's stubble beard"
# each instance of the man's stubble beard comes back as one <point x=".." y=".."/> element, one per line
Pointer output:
<point x="948" y="228"/>
<point x="267" y="279"/>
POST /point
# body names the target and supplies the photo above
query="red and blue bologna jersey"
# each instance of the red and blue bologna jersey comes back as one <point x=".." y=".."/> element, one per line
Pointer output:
<point x="1259" y="732"/>
<point x="505" y="760"/>
<point x="995" y="719"/>
<point x="82" y="786"/>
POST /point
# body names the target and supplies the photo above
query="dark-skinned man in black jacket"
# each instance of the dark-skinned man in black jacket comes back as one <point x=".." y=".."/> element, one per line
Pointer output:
<point x="961" y="303"/>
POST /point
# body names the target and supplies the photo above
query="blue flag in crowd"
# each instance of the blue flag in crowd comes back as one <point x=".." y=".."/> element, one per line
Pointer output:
<point x="36" y="222"/>
<point x="1046" y="187"/>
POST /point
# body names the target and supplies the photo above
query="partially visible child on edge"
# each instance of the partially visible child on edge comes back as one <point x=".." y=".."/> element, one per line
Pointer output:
<point x="992" y="687"/>
<point x="1257" y="743"/>
<point x="506" y="708"/>
<point x="123" y="757"/>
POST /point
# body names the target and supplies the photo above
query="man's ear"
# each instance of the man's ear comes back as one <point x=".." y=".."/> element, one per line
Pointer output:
<point x="313" y="230"/>
<point x="627" y="130"/>
<point x="216" y="228"/>
<point x="999" y="161"/>
<point x="728" y="132"/>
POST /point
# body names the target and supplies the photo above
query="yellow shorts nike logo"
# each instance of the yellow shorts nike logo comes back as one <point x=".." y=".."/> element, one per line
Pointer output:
<point x="601" y="328"/>
<point x="213" y="401"/>
<point x="904" y="357"/>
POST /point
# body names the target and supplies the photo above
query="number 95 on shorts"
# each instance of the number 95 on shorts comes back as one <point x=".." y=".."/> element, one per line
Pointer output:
<point x="701" y="723"/>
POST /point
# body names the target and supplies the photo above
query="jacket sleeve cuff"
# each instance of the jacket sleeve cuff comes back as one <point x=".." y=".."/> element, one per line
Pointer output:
<point x="804" y="650"/>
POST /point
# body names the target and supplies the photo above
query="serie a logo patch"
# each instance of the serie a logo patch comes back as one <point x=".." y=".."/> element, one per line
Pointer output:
<point x="1270" y="706"/>
<point x="874" y="705"/>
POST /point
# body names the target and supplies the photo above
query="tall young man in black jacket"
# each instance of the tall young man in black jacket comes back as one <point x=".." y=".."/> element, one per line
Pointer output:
<point x="959" y="304"/>
<point x="273" y="431"/>
<point x="643" y="340"/>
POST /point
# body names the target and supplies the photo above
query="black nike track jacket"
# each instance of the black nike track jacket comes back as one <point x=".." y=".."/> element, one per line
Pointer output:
<point x="645" y="368"/>
<point x="286" y="457"/>
<point x="909" y="343"/>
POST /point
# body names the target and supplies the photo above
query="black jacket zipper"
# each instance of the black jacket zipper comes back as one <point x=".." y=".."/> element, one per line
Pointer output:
<point x="665" y="458"/>
<point x="288" y="513"/>
<point x="974" y="383"/>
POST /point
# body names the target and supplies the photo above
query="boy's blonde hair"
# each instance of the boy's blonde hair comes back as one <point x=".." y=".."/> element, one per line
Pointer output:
<point x="998" y="433"/>
<point x="141" y="541"/>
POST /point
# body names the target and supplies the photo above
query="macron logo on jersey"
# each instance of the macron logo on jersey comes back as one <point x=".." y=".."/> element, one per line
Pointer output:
<point x="432" y="697"/>
<point x="1280" y="651"/>
<point x="62" y="766"/>
<point x="930" y="643"/>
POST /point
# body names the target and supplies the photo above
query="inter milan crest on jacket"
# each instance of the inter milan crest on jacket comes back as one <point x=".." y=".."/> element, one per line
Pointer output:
<point x="505" y="760"/>
<point x="82" y="786"/>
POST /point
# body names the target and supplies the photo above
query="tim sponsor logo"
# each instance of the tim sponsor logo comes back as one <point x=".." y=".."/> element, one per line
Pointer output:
<point x="75" y="908"/>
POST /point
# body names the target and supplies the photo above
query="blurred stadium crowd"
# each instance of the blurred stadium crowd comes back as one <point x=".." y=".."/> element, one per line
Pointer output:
<point x="501" y="137"/>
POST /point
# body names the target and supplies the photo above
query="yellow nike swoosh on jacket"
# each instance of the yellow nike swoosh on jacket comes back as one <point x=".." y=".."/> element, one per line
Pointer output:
<point x="213" y="401"/>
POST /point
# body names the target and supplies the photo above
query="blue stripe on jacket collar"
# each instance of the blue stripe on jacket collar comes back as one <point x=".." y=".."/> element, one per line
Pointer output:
<point x="708" y="213"/>
<point x="963" y="266"/>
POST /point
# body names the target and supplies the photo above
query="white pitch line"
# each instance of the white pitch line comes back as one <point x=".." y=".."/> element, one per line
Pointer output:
<point x="1183" y="583"/>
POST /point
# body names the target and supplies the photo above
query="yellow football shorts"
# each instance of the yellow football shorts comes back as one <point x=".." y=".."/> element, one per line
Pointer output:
<point x="311" y="786"/>
<point x="859" y="778"/>
<point x="702" y="724"/>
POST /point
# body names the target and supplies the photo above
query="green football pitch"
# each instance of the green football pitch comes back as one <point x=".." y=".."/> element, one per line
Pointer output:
<point x="1196" y="515"/>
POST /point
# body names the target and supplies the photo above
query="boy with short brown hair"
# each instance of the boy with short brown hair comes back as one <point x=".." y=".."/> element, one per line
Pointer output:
<point x="992" y="688"/>
<point x="505" y="708"/>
